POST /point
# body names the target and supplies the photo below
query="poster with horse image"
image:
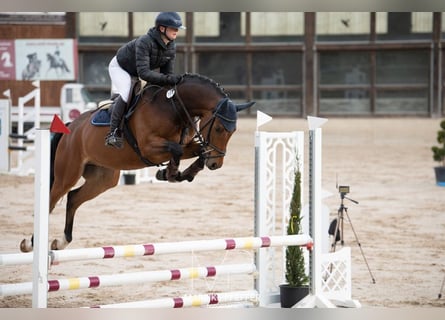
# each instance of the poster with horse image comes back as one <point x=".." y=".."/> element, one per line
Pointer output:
<point x="46" y="59"/>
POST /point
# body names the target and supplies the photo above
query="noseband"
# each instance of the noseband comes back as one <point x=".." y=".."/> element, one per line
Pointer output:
<point x="206" y="144"/>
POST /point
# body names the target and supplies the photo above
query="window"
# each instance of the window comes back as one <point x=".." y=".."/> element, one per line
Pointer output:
<point x="404" y="25"/>
<point x="274" y="23"/>
<point x="403" y="82"/>
<point x="277" y="79"/>
<point x="422" y="22"/>
<point x="142" y="22"/>
<point x="276" y="68"/>
<point x="103" y="24"/>
<point x="343" y="26"/>
<point x="220" y="27"/>
<point x="206" y="24"/>
<point x="344" y="83"/>
<point x="32" y="17"/>
<point x="226" y="68"/>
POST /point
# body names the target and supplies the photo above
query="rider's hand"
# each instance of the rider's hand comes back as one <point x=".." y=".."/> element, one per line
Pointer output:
<point x="173" y="79"/>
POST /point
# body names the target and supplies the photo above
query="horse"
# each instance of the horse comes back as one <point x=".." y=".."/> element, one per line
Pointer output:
<point x="193" y="119"/>
<point x="32" y="69"/>
<point x="56" y="63"/>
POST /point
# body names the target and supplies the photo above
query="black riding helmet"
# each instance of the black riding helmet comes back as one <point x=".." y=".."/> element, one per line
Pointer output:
<point x="169" y="19"/>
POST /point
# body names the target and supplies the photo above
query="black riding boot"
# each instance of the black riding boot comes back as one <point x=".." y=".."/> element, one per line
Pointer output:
<point x="114" y="138"/>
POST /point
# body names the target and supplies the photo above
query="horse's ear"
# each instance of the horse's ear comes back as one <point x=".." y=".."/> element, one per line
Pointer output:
<point x="240" y="107"/>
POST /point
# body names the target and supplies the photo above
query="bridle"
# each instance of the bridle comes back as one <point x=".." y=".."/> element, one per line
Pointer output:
<point x="206" y="145"/>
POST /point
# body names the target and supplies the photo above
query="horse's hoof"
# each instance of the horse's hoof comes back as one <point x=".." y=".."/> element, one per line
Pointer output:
<point x="161" y="175"/>
<point x="54" y="245"/>
<point x="174" y="178"/>
<point x="26" y="245"/>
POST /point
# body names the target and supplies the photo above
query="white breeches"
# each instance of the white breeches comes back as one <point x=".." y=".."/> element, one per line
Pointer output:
<point x="120" y="79"/>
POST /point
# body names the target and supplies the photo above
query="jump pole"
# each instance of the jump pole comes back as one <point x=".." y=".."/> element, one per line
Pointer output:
<point x="122" y="279"/>
<point x="150" y="249"/>
<point x="190" y="300"/>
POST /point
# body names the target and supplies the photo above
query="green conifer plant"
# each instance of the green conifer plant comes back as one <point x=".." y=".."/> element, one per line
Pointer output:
<point x="439" y="152"/>
<point x="295" y="269"/>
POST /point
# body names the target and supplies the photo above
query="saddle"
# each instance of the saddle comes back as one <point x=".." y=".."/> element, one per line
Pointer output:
<point x="103" y="115"/>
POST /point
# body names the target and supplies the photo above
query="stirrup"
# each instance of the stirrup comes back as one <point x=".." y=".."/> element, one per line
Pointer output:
<point x="114" y="140"/>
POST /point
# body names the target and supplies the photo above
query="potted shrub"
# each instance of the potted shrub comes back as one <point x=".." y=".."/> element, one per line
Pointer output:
<point x="439" y="155"/>
<point x="297" y="286"/>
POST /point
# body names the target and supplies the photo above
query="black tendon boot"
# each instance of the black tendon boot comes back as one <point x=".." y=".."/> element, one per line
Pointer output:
<point x="114" y="138"/>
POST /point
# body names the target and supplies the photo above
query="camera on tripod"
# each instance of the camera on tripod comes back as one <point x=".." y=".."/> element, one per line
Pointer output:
<point x="344" y="190"/>
<point x="336" y="226"/>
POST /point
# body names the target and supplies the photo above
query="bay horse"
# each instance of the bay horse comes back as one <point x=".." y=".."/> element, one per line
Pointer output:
<point x="194" y="119"/>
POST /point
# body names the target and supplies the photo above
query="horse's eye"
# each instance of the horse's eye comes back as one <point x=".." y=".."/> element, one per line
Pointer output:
<point x="219" y="129"/>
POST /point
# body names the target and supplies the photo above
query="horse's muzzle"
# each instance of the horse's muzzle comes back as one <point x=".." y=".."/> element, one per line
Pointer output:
<point x="214" y="163"/>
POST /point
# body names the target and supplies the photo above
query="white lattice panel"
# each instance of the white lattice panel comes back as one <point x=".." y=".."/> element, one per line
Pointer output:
<point x="276" y="162"/>
<point x="336" y="274"/>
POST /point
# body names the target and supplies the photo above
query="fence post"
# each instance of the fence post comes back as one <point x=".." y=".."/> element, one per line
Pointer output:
<point x="41" y="220"/>
<point x="4" y="135"/>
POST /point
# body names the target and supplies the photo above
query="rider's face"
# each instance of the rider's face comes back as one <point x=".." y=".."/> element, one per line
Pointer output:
<point x="171" y="33"/>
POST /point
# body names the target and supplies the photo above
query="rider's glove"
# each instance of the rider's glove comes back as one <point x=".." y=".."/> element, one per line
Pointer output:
<point x="173" y="79"/>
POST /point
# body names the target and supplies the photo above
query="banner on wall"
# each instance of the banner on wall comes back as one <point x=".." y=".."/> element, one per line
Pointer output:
<point x="7" y="60"/>
<point x="38" y="59"/>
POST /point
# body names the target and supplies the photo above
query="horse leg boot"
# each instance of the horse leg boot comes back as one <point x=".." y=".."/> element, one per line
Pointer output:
<point x="114" y="137"/>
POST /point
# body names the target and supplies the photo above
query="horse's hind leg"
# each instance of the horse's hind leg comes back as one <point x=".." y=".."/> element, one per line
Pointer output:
<point x="65" y="180"/>
<point x="97" y="181"/>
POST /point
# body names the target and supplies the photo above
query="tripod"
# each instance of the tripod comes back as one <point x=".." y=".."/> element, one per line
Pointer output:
<point x="441" y="289"/>
<point x="342" y="211"/>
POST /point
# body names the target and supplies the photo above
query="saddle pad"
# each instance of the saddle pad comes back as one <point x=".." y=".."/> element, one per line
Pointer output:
<point x="101" y="118"/>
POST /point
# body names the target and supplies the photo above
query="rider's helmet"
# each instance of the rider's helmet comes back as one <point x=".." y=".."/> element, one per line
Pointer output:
<point x="169" y="19"/>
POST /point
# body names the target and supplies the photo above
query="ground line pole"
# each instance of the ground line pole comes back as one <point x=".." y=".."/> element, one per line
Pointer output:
<point x="41" y="220"/>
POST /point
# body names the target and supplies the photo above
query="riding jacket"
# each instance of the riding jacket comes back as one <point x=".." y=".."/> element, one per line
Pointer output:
<point x="142" y="55"/>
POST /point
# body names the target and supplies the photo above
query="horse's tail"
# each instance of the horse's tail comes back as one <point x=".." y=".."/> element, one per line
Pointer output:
<point x="54" y="143"/>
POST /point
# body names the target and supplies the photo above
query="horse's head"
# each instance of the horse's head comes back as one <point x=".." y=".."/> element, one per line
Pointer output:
<point x="203" y="97"/>
<point x="218" y="130"/>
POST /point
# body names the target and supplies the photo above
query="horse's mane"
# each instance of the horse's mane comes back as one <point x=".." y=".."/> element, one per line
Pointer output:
<point x="206" y="79"/>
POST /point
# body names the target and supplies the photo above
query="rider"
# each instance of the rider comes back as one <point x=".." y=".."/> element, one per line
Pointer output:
<point x="138" y="58"/>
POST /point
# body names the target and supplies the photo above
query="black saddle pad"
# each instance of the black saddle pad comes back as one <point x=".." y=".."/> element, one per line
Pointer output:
<point x="102" y="118"/>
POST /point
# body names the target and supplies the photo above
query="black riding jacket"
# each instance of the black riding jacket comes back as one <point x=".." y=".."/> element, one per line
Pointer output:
<point x="142" y="55"/>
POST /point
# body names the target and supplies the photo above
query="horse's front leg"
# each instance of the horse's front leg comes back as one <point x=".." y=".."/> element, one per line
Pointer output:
<point x="171" y="173"/>
<point x="192" y="150"/>
<point x="190" y="173"/>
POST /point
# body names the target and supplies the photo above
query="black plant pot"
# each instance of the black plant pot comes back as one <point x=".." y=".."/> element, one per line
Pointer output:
<point x="440" y="176"/>
<point x="289" y="296"/>
<point x="129" y="178"/>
